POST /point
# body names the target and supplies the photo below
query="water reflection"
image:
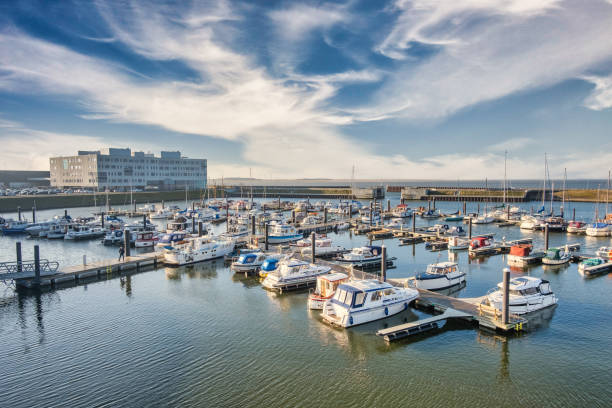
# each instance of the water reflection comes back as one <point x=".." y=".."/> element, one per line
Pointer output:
<point x="248" y="281"/>
<point x="200" y="270"/>
<point x="125" y="283"/>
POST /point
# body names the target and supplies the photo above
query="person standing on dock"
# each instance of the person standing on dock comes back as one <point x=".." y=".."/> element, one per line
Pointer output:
<point x="121" y="253"/>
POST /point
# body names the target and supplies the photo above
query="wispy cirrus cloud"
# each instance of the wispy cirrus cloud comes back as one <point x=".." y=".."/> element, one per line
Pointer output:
<point x="487" y="50"/>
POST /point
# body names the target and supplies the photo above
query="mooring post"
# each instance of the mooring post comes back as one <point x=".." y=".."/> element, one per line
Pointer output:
<point x="293" y="217"/>
<point x="434" y="203"/>
<point x="546" y="237"/>
<point x="19" y="213"/>
<point x="279" y="206"/>
<point x="325" y="215"/>
<point x="144" y="221"/>
<point x="36" y="265"/>
<point x="266" y="236"/>
<point x="388" y="205"/>
<point x="371" y="210"/>
<point x="313" y="246"/>
<point x="464" y="205"/>
<point x="65" y="213"/>
<point x="413" y="223"/>
<point x="19" y="259"/>
<point x="506" y="296"/>
<point x="573" y="214"/>
<point x="102" y="218"/>
<point x="192" y="207"/>
<point x="350" y="211"/>
<point x="134" y="202"/>
<point x="193" y="225"/>
<point x="253" y="224"/>
<point x="478" y="209"/>
<point x="200" y="232"/>
<point x="126" y="242"/>
<point x="163" y="204"/>
<point x="33" y="215"/>
<point x="383" y="264"/>
<point x="428" y="205"/>
<point x="508" y="213"/>
<point x="470" y="228"/>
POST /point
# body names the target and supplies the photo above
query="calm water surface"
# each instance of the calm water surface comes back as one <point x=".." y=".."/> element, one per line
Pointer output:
<point x="202" y="336"/>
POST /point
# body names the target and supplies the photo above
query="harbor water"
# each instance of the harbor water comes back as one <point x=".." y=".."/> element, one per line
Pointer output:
<point x="203" y="336"/>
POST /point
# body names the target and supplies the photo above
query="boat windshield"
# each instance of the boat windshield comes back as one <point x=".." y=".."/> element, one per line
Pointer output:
<point x="343" y="296"/>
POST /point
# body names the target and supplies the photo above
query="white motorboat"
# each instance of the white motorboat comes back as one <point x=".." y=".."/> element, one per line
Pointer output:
<point x="323" y="246"/>
<point x="557" y="256"/>
<point x="527" y="294"/>
<point x="58" y="231"/>
<point x="310" y="220"/>
<point x="458" y="244"/>
<point x="249" y="262"/>
<point x="362" y="256"/>
<point x="576" y="227"/>
<point x="80" y="232"/>
<point x="484" y="219"/>
<point x="598" y="229"/>
<point x="398" y="223"/>
<point x="162" y="214"/>
<point x="363" y="301"/>
<point x="293" y="274"/>
<point x="482" y="246"/>
<point x="440" y="276"/>
<point x="197" y="250"/>
<point x="145" y="239"/>
<point x="283" y="233"/>
<point x="594" y="266"/>
<point x="326" y="287"/>
<point x="604" y="252"/>
<point x="530" y="223"/>
<point x="402" y="211"/>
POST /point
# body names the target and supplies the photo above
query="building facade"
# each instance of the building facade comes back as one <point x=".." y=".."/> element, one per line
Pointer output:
<point x="122" y="169"/>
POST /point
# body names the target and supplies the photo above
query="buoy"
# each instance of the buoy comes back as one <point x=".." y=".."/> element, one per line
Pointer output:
<point x="386" y="311"/>
<point x="351" y="320"/>
<point x="405" y="305"/>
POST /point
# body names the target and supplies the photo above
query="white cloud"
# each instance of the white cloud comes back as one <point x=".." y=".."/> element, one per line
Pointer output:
<point x="30" y="149"/>
<point x="488" y="50"/>
<point x="514" y="144"/>
<point x="601" y="97"/>
<point x="299" y="20"/>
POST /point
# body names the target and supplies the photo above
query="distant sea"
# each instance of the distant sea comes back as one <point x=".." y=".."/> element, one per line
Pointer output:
<point x="521" y="184"/>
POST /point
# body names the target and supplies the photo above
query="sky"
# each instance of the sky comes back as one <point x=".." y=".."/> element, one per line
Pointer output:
<point x="285" y="89"/>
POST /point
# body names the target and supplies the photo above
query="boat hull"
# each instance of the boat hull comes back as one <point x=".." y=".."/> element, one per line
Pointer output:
<point x="355" y="318"/>
<point x="443" y="282"/>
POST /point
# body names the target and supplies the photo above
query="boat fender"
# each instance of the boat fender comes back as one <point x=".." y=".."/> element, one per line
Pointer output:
<point x="351" y="320"/>
<point x="405" y="306"/>
<point x="386" y="311"/>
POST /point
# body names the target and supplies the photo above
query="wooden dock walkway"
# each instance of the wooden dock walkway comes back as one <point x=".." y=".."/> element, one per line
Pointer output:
<point x="94" y="269"/>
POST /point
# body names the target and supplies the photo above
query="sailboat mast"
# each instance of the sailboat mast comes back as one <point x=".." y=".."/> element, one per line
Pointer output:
<point x="505" y="175"/>
<point x="487" y="193"/>
<point x="544" y="182"/>
<point x="552" y="195"/>
<point x="608" y="194"/>
<point x="563" y="195"/>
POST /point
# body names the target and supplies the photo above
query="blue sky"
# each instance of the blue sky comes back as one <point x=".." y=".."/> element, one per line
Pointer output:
<point x="400" y="89"/>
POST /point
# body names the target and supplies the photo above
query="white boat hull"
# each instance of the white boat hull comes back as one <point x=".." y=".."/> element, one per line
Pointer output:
<point x="354" y="318"/>
<point x="443" y="282"/>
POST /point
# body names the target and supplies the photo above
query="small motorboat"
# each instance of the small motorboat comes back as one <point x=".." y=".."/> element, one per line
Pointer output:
<point x="482" y="246"/>
<point x="604" y="253"/>
<point x="594" y="266"/>
<point x="576" y="227"/>
<point x="369" y="256"/>
<point x="197" y="250"/>
<point x="527" y="294"/>
<point x="326" y="287"/>
<point x="283" y="233"/>
<point x="523" y="255"/>
<point x="249" y="262"/>
<point x="363" y="301"/>
<point x="294" y="274"/>
<point x="557" y="256"/>
<point x="438" y="276"/>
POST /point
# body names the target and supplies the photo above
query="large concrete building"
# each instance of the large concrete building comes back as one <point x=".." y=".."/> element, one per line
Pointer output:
<point x="122" y="169"/>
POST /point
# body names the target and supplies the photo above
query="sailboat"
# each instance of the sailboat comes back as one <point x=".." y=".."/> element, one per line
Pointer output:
<point x="598" y="229"/>
<point x="485" y="218"/>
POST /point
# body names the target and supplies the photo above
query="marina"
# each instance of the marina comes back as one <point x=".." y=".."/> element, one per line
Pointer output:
<point x="432" y="314"/>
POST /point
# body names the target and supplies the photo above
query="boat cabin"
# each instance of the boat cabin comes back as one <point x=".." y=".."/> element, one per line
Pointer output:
<point x="527" y="285"/>
<point x="442" y="268"/>
<point x="480" y="242"/>
<point x="328" y="283"/>
<point x="521" y="250"/>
